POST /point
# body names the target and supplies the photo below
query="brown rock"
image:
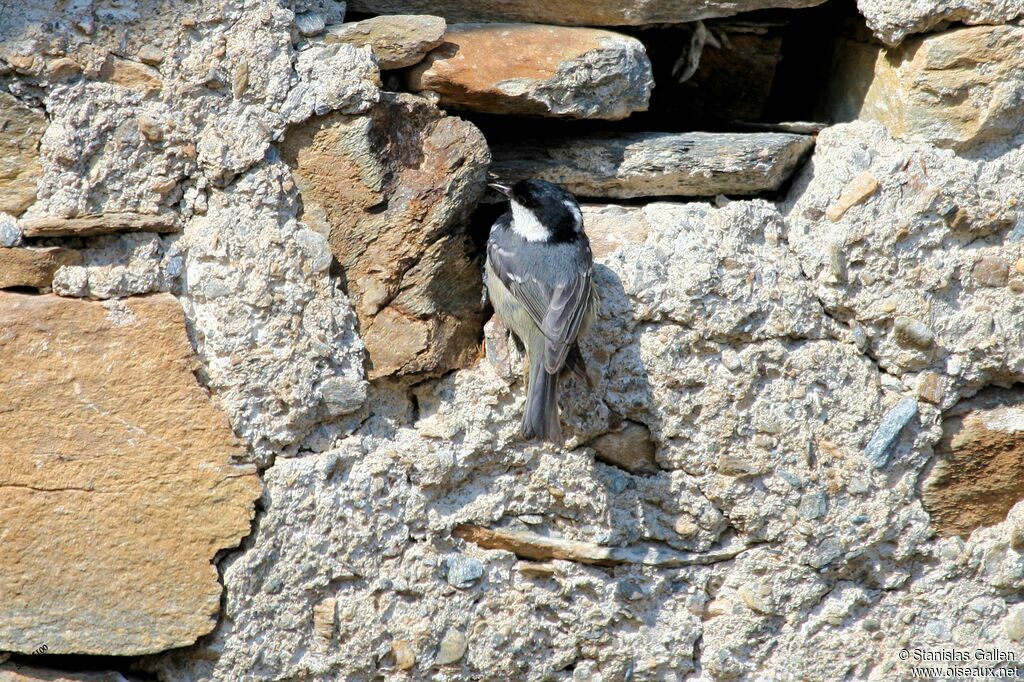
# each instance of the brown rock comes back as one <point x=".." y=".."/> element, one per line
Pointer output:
<point x="991" y="271"/>
<point x="630" y="448"/>
<point x="979" y="471"/>
<point x="397" y="40"/>
<point x="537" y="70"/>
<point x="130" y="74"/>
<point x="929" y="388"/>
<point x="90" y="226"/>
<point x="21" y="128"/>
<point x="956" y="89"/>
<point x="529" y="545"/>
<point x="575" y="12"/>
<point x="118" y="482"/>
<point x="324" y="618"/>
<point x="392" y="189"/>
<point x="860" y="188"/>
<point x="29" y="267"/>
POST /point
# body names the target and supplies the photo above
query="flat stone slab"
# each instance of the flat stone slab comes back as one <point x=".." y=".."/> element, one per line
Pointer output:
<point x="31" y="267"/>
<point x="632" y="165"/>
<point x="89" y="226"/>
<point x="575" y="12"/>
<point x="534" y="70"/>
<point x="117" y="487"/>
<point x="397" y="41"/>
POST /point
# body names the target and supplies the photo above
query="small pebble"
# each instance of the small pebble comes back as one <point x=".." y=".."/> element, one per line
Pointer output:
<point x="452" y="648"/>
<point x="911" y="333"/>
<point x="731" y="360"/>
<point x="685" y="527"/>
<point x="463" y="571"/>
<point x="812" y="505"/>
<point x="405" y="657"/>
<point x="887" y="433"/>
<point x="150" y="54"/>
<point x="929" y="388"/>
<point x="991" y="271"/>
<point x="310" y="23"/>
<point x="10" y="233"/>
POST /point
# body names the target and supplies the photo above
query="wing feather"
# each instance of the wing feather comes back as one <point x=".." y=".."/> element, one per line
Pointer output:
<point x="558" y="310"/>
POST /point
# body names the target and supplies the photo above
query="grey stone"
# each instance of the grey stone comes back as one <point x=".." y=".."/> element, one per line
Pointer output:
<point x="343" y="395"/>
<point x="813" y="505"/>
<point x="656" y="164"/>
<point x="887" y="433"/>
<point x="397" y="41"/>
<point x="463" y="571"/>
<point x="10" y="233"/>
<point x="309" y="23"/>
<point x="576" y="12"/>
<point x="893" y="21"/>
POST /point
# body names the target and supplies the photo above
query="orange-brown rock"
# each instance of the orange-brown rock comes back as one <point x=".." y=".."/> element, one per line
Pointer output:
<point x="392" y="190"/>
<point x="30" y="267"/>
<point x="21" y="128"/>
<point x="979" y="472"/>
<point x="537" y="70"/>
<point x="118" y="483"/>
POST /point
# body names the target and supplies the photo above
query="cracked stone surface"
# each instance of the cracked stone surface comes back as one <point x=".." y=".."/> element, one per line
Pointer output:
<point x="114" y="483"/>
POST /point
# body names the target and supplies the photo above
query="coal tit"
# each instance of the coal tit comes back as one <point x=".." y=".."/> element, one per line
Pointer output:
<point x="540" y="279"/>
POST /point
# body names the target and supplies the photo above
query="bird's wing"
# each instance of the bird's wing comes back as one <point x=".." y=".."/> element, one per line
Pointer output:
<point x="527" y="289"/>
<point x="567" y="308"/>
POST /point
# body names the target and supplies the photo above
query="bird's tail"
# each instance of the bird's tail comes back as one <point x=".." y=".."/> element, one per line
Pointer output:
<point x="540" y="418"/>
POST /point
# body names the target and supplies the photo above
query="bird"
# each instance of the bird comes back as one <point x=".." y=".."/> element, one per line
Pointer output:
<point x="539" y="276"/>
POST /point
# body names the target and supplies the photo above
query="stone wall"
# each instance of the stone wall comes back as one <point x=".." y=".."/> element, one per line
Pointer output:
<point x="257" y="425"/>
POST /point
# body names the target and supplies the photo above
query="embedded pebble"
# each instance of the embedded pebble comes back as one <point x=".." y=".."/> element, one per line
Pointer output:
<point x="886" y="434"/>
<point x="10" y="233"/>
<point x="452" y="648"/>
<point x="405" y="657"/>
<point x="911" y="333"/>
<point x="310" y="23"/>
<point x="463" y="571"/>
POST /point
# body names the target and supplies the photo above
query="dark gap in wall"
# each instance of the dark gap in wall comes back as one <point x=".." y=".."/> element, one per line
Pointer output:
<point x="763" y="67"/>
<point x="127" y="666"/>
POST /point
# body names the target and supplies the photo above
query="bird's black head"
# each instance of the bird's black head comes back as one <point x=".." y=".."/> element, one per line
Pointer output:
<point x="542" y="211"/>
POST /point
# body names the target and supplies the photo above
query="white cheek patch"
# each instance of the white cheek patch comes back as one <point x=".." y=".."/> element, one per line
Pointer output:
<point x="576" y="214"/>
<point x="526" y="225"/>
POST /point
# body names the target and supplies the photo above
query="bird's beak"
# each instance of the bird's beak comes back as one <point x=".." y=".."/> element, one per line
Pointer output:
<point x="498" y="187"/>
